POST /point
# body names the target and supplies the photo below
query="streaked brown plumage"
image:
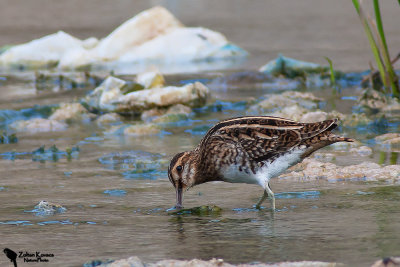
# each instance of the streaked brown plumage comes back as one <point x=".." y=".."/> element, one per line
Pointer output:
<point x="250" y="149"/>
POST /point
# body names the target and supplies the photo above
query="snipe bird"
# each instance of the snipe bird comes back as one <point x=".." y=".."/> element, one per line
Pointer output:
<point x="249" y="150"/>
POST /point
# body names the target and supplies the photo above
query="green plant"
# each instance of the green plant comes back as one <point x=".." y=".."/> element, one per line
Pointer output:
<point x="376" y="37"/>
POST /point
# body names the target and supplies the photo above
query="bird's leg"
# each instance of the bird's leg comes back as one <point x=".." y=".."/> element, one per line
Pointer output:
<point x="264" y="196"/>
<point x="267" y="193"/>
<point x="271" y="196"/>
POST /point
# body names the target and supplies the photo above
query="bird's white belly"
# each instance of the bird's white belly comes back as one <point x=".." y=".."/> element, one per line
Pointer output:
<point x="234" y="174"/>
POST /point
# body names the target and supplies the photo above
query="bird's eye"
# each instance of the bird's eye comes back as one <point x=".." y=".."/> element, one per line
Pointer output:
<point x="179" y="168"/>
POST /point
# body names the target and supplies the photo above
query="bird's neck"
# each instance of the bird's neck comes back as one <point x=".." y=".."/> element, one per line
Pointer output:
<point x="205" y="171"/>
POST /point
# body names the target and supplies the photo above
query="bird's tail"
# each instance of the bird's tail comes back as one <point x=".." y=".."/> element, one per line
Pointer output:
<point x="15" y="262"/>
<point x="335" y="138"/>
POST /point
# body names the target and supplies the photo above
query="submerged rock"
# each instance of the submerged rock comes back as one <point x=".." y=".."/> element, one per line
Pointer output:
<point x="109" y="97"/>
<point x="366" y="171"/>
<point x="44" y="208"/>
<point x="38" y="125"/>
<point x="142" y="130"/>
<point x="363" y="151"/>
<point x="199" y="211"/>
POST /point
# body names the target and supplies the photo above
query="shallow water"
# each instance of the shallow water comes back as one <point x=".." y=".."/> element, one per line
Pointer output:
<point x="115" y="188"/>
<point x="117" y="195"/>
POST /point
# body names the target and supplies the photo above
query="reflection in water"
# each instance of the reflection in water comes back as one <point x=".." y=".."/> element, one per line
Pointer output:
<point x="393" y="157"/>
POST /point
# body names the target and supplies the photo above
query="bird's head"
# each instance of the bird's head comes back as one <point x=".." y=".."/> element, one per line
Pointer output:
<point x="181" y="173"/>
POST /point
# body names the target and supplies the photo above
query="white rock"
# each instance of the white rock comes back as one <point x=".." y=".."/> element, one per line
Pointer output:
<point x="192" y="94"/>
<point x="141" y="28"/>
<point x="41" y="52"/>
<point x="182" y="45"/>
<point x="106" y="94"/>
<point x="109" y="97"/>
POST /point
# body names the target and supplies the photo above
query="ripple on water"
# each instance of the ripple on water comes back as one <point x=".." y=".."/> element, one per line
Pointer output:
<point x="115" y="192"/>
<point x="302" y="195"/>
<point x="41" y="154"/>
<point x="136" y="164"/>
<point x="199" y="129"/>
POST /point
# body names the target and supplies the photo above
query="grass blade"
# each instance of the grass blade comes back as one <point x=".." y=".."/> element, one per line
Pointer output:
<point x="372" y="42"/>
<point x="333" y="80"/>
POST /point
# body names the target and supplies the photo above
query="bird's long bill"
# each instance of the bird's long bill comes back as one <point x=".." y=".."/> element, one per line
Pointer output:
<point x="179" y="197"/>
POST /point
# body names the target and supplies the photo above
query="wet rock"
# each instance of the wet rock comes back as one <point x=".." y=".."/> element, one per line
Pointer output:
<point x="294" y="112"/>
<point x="175" y="113"/>
<point x="71" y="112"/>
<point x="363" y="151"/>
<point x="287" y="99"/>
<point x="387" y="262"/>
<point x="373" y="99"/>
<point x="366" y="171"/>
<point x="355" y="119"/>
<point x="142" y="130"/>
<point x="152" y="114"/>
<point x="107" y="93"/>
<point x="314" y="116"/>
<point x="108" y="118"/>
<point x="109" y="97"/>
<point x="151" y="79"/>
<point x="44" y="208"/>
<point x="38" y="125"/>
<point x="291" y="67"/>
<point x="388" y="139"/>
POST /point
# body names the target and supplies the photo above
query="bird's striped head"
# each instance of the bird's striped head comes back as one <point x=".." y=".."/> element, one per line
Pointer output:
<point x="181" y="173"/>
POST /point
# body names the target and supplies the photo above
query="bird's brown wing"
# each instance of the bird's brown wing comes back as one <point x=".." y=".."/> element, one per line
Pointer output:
<point x="262" y="137"/>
